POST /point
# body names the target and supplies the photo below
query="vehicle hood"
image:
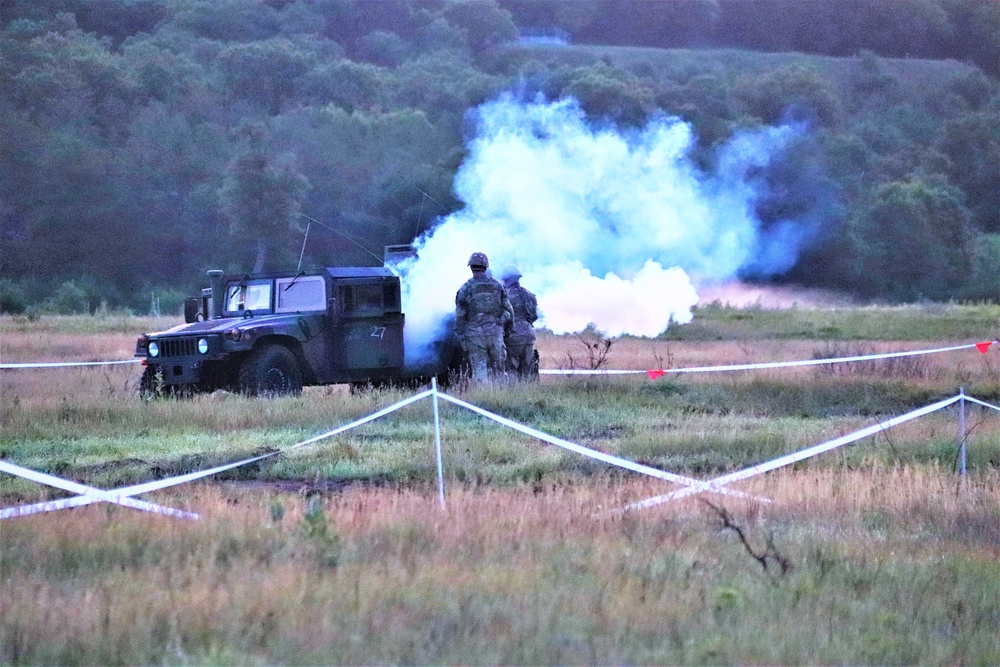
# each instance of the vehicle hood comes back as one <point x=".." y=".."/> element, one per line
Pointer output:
<point x="218" y="326"/>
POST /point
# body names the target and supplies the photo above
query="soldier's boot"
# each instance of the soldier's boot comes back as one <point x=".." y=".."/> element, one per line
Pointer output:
<point x="479" y="363"/>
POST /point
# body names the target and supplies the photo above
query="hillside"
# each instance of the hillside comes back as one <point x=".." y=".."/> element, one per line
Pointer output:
<point x="144" y="147"/>
<point x="915" y="75"/>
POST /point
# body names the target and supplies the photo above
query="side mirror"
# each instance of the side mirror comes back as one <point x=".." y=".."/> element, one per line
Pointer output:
<point x="192" y="309"/>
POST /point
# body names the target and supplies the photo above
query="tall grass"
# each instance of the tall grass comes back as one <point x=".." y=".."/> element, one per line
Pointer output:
<point x="340" y="553"/>
<point x="881" y="559"/>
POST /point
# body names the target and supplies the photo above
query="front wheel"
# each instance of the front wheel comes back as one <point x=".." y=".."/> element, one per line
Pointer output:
<point x="271" y="370"/>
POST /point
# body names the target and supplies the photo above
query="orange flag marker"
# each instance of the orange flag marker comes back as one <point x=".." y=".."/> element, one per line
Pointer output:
<point x="655" y="374"/>
<point x="982" y="347"/>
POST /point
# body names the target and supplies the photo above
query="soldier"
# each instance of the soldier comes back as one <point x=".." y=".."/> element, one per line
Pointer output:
<point x="482" y="313"/>
<point x="520" y="338"/>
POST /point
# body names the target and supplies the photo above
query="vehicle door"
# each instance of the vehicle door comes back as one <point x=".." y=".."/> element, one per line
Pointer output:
<point x="369" y="329"/>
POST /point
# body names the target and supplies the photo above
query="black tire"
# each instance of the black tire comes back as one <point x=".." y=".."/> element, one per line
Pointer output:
<point x="271" y="370"/>
<point x="456" y="369"/>
<point x="533" y="370"/>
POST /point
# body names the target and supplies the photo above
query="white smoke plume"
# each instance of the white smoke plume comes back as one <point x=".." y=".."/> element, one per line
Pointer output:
<point x="608" y="227"/>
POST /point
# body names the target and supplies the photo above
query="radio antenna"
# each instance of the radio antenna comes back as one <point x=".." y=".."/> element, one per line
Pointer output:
<point x="420" y="217"/>
<point x="304" y="239"/>
<point x="339" y="233"/>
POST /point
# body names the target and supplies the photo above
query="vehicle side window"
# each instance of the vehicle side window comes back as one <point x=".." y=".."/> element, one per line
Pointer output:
<point x="254" y="296"/>
<point x="361" y="300"/>
<point x="304" y="293"/>
<point x="390" y="295"/>
<point x="347" y="304"/>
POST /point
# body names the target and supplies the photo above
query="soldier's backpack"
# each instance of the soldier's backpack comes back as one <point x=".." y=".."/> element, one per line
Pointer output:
<point x="485" y="298"/>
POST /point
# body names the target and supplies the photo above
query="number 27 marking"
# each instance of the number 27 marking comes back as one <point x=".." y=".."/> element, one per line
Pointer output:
<point x="378" y="332"/>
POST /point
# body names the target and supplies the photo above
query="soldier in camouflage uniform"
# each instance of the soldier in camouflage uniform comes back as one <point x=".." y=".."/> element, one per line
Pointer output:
<point x="520" y="338"/>
<point x="482" y="313"/>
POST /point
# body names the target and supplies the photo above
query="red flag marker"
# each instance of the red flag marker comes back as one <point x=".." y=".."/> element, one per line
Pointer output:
<point x="982" y="347"/>
<point x="655" y="374"/>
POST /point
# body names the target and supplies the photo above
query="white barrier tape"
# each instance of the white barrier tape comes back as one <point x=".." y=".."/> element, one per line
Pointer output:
<point x="592" y="453"/>
<point x="124" y="493"/>
<point x="91" y="493"/>
<point x="554" y="371"/>
<point x="719" y="482"/>
<point x="653" y="374"/>
<point x="982" y="403"/>
<point x="68" y="364"/>
<point x="599" y="371"/>
<point x="364" y="420"/>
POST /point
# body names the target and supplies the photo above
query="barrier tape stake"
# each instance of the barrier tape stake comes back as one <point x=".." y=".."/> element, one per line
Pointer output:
<point x="437" y="440"/>
<point x="962" y="433"/>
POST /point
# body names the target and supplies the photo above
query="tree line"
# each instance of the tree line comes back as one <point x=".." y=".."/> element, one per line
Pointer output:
<point x="144" y="141"/>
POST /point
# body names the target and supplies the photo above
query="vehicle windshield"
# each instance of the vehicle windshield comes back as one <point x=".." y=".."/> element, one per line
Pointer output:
<point x="254" y="296"/>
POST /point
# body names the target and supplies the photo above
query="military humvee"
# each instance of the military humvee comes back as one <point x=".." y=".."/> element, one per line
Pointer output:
<point x="273" y="333"/>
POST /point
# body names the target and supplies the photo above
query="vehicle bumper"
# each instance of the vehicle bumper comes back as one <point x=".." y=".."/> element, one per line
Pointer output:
<point x="179" y="371"/>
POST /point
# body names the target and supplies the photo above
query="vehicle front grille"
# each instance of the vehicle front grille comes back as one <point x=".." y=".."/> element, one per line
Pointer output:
<point x="178" y="347"/>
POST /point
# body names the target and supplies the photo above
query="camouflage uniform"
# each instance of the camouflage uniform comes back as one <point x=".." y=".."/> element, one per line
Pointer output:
<point x="520" y="338"/>
<point x="482" y="312"/>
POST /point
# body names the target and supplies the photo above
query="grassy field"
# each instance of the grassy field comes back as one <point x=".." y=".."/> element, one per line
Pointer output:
<point x="340" y="552"/>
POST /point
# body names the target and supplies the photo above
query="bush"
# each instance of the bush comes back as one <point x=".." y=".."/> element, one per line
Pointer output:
<point x="13" y="300"/>
<point x="69" y="299"/>
<point x="167" y="302"/>
<point x="982" y="284"/>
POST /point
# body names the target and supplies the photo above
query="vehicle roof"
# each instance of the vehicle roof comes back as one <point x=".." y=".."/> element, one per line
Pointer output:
<point x="359" y="272"/>
<point x="332" y="272"/>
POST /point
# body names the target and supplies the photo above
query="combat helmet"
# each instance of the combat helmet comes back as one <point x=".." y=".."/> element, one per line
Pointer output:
<point x="479" y="260"/>
<point x="510" y="273"/>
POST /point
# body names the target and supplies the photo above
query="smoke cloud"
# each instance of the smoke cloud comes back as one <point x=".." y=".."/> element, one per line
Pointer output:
<point x="611" y="229"/>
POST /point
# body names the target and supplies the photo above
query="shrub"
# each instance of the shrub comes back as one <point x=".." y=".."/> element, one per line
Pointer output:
<point x="13" y="300"/>
<point x="69" y="299"/>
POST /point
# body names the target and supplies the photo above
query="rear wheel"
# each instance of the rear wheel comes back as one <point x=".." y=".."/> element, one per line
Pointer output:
<point x="271" y="370"/>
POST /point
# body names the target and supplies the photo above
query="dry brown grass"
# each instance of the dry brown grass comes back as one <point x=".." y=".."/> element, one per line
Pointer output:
<point x="535" y="574"/>
<point x="73" y="338"/>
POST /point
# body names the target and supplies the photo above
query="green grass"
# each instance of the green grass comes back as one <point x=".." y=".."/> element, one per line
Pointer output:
<point x="690" y="428"/>
<point x="102" y="323"/>
<point x="959" y="323"/>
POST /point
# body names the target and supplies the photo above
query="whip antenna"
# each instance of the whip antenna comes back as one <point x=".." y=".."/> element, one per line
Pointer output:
<point x="339" y="233"/>
<point x="304" y="239"/>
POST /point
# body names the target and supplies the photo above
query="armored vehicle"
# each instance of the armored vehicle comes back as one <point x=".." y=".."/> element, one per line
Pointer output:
<point x="273" y="333"/>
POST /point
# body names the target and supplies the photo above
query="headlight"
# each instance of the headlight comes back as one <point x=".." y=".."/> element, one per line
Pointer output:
<point x="237" y="335"/>
<point x="202" y="346"/>
<point x="154" y="348"/>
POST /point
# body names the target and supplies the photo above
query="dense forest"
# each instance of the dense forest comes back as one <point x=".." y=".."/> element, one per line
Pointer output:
<point x="145" y="141"/>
